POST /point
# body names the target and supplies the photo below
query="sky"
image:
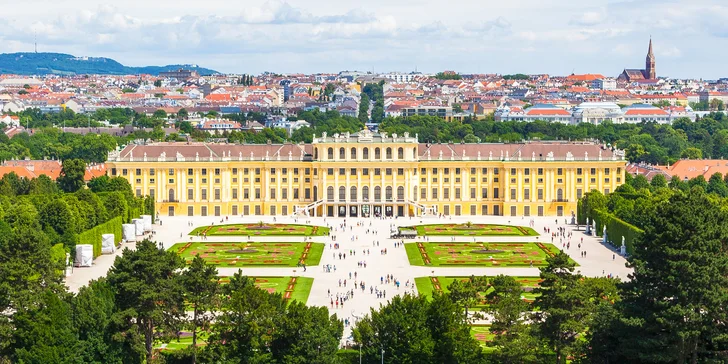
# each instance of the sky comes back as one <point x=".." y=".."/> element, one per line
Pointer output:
<point x="558" y="37"/>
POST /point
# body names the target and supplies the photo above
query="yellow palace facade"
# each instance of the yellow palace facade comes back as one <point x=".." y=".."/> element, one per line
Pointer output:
<point x="368" y="174"/>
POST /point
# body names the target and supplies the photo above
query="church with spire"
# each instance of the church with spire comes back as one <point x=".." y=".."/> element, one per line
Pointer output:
<point x="631" y="75"/>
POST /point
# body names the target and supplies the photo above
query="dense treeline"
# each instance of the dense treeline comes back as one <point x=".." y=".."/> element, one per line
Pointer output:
<point x="63" y="209"/>
<point x="646" y="142"/>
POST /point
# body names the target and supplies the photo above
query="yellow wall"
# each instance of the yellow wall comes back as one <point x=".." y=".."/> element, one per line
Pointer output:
<point x="453" y="181"/>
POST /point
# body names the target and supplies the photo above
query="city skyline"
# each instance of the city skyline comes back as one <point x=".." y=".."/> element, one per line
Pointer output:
<point x="293" y="36"/>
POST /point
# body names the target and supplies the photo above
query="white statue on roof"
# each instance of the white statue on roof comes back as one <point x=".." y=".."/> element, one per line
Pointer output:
<point x="406" y="134"/>
<point x="323" y="135"/>
<point x="384" y="134"/>
<point x="550" y="155"/>
<point x="569" y="155"/>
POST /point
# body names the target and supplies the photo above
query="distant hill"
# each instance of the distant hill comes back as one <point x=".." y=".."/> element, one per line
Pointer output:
<point x="66" y="64"/>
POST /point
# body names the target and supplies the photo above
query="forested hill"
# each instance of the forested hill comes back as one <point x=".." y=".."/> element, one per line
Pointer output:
<point x="66" y="64"/>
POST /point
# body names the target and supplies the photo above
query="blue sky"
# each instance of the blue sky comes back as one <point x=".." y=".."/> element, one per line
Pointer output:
<point x="485" y="36"/>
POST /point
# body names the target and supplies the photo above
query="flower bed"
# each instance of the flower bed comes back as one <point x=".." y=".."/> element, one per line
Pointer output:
<point x="257" y="229"/>
<point x="252" y="254"/>
<point x="473" y="230"/>
<point x="473" y="254"/>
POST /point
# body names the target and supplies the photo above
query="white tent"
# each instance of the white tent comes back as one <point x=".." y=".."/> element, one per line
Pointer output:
<point x="147" y="222"/>
<point x="84" y="255"/>
<point x="128" y="232"/>
<point x="138" y="226"/>
<point x="107" y="244"/>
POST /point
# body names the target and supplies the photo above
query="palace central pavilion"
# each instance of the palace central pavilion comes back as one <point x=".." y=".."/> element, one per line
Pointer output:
<point x="368" y="174"/>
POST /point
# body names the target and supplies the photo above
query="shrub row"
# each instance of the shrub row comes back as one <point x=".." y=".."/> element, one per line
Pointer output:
<point x="93" y="236"/>
<point x="616" y="229"/>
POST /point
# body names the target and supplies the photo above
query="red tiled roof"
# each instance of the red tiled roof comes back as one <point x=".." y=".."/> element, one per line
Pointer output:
<point x="548" y="112"/>
<point x="659" y="112"/>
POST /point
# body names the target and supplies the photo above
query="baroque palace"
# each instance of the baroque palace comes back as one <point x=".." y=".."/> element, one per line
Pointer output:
<point x="368" y="174"/>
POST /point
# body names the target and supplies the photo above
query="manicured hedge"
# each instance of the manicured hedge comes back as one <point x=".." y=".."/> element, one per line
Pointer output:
<point x="580" y="213"/>
<point x="58" y="256"/>
<point x="93" y="236"/>
<point x="616" y="229"/>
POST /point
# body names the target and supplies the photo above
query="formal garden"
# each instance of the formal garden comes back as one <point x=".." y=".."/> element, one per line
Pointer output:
<point x="428" y="285"/>
<point x="480" y="254"/>
<point x="471" y="229"/>
<point x="261" y="229"/>
<point x="252" y="254"/>
<point x="482" y="334"/>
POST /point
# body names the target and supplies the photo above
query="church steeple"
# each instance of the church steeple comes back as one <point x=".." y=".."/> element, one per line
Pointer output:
<point x="649" y="72"/>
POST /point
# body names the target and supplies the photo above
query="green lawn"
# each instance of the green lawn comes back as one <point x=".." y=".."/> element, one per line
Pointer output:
<point x="428" y="285"/>
<point x="258" y="229"/>
<point x="184" y="341"/>
<point x="252" y="254"/>
<point x="483" y="335"/>
<point x="290" y="289"/>
<point x="479" y="254"/>
<point x="469" y="229"/>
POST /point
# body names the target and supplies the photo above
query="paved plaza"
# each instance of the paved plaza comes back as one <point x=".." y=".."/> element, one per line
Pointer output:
<point x="360" y="234"/>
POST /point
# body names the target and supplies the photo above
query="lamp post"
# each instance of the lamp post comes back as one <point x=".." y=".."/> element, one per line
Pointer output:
<point x="382" y="356"/>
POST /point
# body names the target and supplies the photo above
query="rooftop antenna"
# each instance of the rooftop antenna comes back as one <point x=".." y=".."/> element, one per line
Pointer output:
<point x="35" y="40"/>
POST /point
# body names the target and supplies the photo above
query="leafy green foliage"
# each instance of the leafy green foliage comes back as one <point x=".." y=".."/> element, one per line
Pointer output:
<point x="673" y="306"/>
<point x="412" y="329"/>
<point x="72" y="175"/>
<point x="448" y="76"/>
<point x="148" y="293"/>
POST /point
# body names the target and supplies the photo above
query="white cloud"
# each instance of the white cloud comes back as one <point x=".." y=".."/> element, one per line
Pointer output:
<point x="600" y="36"/>
<point x="589" y="18"/>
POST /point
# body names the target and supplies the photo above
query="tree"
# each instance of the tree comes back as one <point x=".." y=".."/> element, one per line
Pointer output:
<point x="157" y="83"/>
<point x="364" y="108"/>
<point x="186" y="127"/>
<point x="562" y="306"/>
<point x="514" y="340"/>
<point x="43" y="185"/>
<point x="160" y="114"/>
<point x="639" y="182"/>
<point x="467" y="292"/>
<point x="399" y="328"/>
<point x="658" y="181"/>
<point x="72" y="175"/>
<point x="201" y="293"/>
<point x="148" y="294"/>
<point x="412" y="329"/>
<point x="450" y="331"/>
<point x="43" y="331"/>
<point x="245" y="327"/>
<point x="673" y="306"/>
<point x="57" y="216"/>
<point x="93" y="308"/>
<point x="183" y="114"/>
<point x="692" y="153"/>
<point x="306" y="335"/>
<point x="717" y="186"/>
